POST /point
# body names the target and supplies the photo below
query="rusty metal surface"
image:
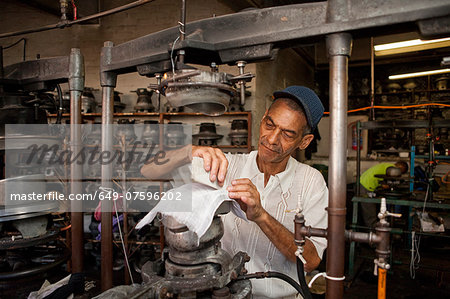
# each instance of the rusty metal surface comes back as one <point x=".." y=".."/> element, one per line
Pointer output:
<point x="339" y="49"/>
<point x="26" y="73"/>
<point x="76" y="87"/>
<point x="160" y="287"/>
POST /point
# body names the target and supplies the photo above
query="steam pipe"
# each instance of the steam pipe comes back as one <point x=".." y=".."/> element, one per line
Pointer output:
<point x="339" y="48"/>
<point x="66" y="23"/>
<point x="380" y="238"/>
<point x="302" y="231"/>
<point x="108" y="81"/>
<point x="76" y="86"/>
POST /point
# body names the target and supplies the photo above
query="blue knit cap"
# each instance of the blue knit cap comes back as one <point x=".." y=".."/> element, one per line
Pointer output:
<point x="307" y="98"/>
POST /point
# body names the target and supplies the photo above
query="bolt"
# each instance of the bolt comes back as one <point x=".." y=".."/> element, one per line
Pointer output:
<point x="241" y="64"/>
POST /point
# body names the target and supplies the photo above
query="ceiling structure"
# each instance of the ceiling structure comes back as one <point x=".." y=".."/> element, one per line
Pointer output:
<point x="313" y="55"/>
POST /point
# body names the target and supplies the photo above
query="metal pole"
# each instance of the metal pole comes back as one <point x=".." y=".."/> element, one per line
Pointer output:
<point x="372" y="80"/>
<point x="108" y="82"/>
<point x="358" y="157"/>
<point x="76" y="86"/>
<point x="339" y="47"/>
<point x="182" y="28"/>
<point x="241" y="64"/>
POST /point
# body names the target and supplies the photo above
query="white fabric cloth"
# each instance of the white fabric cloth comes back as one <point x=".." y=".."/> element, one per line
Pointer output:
<point x="299" y="186"/>
<point x="47" y="288"/>
<point x="205" y="201"/>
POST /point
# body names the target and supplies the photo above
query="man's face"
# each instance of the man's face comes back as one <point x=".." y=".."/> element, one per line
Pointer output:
<point x="281" y="132"/>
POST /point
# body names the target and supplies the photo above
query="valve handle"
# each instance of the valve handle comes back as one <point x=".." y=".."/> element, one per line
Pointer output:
<point x="397" y="215"/>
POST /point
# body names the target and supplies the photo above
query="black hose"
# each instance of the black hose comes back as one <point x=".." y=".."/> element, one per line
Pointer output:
<point x="301" y="278"/>
<point x="60" y="108"/>
<point x="272" y="274"/>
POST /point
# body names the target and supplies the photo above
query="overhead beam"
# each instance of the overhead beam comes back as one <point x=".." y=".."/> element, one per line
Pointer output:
<point x="252" y="35"/>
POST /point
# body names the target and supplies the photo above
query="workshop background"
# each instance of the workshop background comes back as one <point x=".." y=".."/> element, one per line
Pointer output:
<point x="417" y="133"/>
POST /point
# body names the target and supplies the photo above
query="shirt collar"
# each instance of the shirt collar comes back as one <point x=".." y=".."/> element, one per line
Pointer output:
<point x="285" y="177"/>
<point x="251" y="169"/>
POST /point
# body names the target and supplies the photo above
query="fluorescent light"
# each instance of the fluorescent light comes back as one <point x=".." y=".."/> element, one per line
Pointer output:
<point x="411" y="46"/>
<point x="419" y="74"/>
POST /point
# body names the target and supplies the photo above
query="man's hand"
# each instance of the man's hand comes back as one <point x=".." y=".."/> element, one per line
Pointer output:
<point x="214" y="161"/>
<point x="246" y="194"/>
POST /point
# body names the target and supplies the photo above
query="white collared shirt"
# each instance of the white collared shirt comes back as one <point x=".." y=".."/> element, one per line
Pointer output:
<point x="298" y="186"/>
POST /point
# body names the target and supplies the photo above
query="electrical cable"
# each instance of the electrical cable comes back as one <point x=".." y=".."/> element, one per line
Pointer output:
<point x="74" y="7"/>
<point x="443" y="179"/>
<point x="395" y="107"/>
<point x="426" y="197"/>
<point x="16" y="43"/>
<point x="272" y="274"/>
<point x="301" y="278"/>
<point x="415" y="255"/>
<point x="123" y="244"/>
<point x="171" y="56"/>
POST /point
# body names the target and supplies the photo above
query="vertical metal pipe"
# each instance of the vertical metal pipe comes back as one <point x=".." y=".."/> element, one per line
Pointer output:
<point x="125" y="208"/>
<point x="339" y="47"/>
<point x="372" y="80"/>
<point x="182" y="28"/>
<point x="158" y="77"/>
<point x="358" y="158"/>
<point x="108" y="82"/>
<point x="76" y="86"/>
<point x="183" y="20"/>
<point x="106" y="219"/>
<point x="241" y="65"/>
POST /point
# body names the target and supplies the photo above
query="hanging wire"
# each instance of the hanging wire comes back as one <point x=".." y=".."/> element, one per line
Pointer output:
<point x="171" y="56"/>
<point x="125" y="253"/>
<point x="415" y="255"/>
<point x="395" y="107"/>
<point x="445" y="177"/>
<point x="74" y="7"/>
<point x="16" y="43"/>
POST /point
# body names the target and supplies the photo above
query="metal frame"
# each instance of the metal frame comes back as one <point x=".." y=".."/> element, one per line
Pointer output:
<point x="257" y="35"/>
<point x="42" y="74"/>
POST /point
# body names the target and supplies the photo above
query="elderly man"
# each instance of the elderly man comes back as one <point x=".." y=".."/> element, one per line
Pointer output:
<point x="270" y="186"/>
